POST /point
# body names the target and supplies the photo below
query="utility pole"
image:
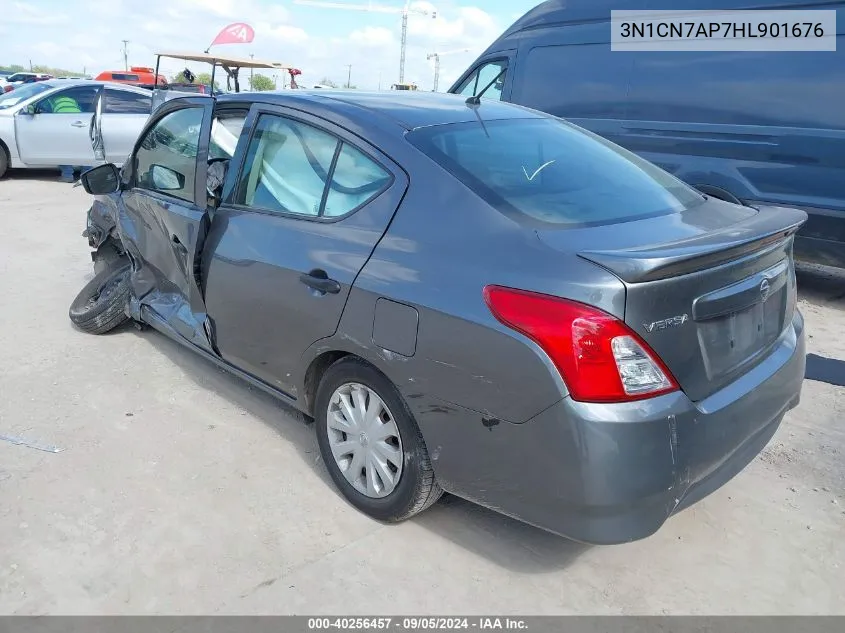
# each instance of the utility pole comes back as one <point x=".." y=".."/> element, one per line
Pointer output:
<point x="251" y="86"/>
<point x="379" y="79"/>
<point x="125" y="55"/>
<point x="349" y="76"/>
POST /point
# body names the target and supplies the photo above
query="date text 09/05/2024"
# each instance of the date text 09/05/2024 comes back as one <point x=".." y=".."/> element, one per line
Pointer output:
<point x="416" y="623"/>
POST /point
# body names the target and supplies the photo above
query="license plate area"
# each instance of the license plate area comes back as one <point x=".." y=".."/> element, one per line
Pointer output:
<point x="729" y="341"/>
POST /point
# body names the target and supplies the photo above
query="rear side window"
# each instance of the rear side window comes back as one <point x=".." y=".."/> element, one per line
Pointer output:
<point x="125" y="102"/>
<point x="355" y="180"/>
<point x="294" y="168"/>
<point x="552" y="172"/>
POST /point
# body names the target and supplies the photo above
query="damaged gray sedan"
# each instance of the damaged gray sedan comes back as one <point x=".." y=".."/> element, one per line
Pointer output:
<point x="466" y="296"/>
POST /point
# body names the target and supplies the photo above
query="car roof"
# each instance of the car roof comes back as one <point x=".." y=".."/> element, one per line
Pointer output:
<point x="409" y="109"/>
<point x="69" y="83"/>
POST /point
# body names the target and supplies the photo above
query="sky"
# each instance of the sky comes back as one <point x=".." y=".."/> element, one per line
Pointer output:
<point x="86" y="35"/>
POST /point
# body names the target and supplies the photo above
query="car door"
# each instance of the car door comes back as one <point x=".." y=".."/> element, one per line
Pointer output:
<point x="124" y="113"/>
<point x="164" y="219"/>
<point x="309" y="206"/>
<point x="51" y="138"/>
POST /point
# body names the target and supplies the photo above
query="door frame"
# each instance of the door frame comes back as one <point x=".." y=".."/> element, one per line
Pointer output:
<point x="233" y="180"/>
<point x="127" y="173"/>
<point x="195" y="298"/>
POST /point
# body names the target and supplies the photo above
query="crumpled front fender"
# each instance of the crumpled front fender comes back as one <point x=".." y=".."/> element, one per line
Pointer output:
<point x="100" y="223"/>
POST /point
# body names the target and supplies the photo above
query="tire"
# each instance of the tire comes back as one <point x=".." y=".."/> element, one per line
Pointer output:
<point x="101" y="305"/>
<point x="416" y="488"/>
<point x="4" y="160"/>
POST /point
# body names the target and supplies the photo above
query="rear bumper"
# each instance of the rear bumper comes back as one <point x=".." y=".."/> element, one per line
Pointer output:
<point x="614" y="473"/>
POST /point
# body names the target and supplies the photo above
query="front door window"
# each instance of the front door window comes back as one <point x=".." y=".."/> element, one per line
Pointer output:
<point x="166" y="159"/>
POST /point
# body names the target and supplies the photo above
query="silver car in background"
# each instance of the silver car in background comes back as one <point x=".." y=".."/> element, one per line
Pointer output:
<point x="33" y="136"/>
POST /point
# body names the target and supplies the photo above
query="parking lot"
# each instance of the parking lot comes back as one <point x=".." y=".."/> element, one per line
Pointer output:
<point x="180" y="489"/>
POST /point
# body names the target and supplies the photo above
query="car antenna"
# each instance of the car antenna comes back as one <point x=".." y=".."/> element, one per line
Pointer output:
<point x="474" y="107"/>
<point x="475" y="100"/>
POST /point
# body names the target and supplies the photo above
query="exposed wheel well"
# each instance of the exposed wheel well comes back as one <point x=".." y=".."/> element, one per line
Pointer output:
<point x="314" y="374"/>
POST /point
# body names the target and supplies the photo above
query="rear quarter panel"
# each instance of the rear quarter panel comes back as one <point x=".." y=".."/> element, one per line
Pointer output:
<point x="443" y="246"/>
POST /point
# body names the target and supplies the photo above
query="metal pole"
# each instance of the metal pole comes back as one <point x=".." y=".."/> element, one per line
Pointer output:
<point x="436" y="71"/>
<point x="251" y="86"/>
<point x="125" y="55"/>
<point x="379" y="80"/>
<point x="402" y="44"/>
<point x="349" y="76"/>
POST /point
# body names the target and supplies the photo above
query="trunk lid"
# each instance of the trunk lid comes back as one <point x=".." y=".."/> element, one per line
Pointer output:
<point x="711" y="289"/>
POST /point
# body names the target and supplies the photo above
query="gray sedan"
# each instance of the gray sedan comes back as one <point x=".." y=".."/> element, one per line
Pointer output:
<point x="466" y="296"/>
<point x="36" y="134"/>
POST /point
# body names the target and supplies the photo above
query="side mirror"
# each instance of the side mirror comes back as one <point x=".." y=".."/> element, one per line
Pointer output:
<point x="31" y="109"/>
<point x="101" y="180"/>
<point x="166" y="179"/>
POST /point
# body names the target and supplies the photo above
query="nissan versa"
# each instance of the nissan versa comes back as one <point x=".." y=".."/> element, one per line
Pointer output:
<point x="466" y="296"/>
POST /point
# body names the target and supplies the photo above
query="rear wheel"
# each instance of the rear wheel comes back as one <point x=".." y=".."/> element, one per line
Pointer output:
<point x="101" y="305"/>
<point x="4" y="160"/>
<point x="371" y="445"/>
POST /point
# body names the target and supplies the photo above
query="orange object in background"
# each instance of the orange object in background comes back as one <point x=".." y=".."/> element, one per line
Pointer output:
<point x="136" y="76"/>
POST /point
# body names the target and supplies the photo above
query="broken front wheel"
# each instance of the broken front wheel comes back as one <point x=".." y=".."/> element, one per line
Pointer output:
<point x="101" y="305"/>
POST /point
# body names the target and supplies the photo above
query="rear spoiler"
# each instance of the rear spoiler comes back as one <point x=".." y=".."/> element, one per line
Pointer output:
<point x="770" y="226"/>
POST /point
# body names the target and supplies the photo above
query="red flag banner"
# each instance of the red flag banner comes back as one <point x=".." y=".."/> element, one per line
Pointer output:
<point x="237" y="33"/>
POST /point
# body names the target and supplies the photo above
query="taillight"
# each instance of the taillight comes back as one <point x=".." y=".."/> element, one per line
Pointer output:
<point x="599" y="357"/>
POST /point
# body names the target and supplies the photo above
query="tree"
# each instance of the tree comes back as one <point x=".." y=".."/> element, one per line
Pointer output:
<point x="56" y="72"/>
<point x="261" y="83"/>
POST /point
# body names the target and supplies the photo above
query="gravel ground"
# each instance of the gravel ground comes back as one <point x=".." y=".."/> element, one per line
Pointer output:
<point x="182" y="490"/>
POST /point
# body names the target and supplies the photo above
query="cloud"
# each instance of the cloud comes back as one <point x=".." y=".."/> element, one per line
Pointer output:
<point x="321" y="42"/>
<point x="284" y="32"/>
<point x="372" y="37"/>
<point x="26" y="14"/>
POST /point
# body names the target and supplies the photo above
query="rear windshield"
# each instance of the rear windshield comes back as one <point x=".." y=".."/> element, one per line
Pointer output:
<point x="553" y="172"/>
<point x="124" y="77"/>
